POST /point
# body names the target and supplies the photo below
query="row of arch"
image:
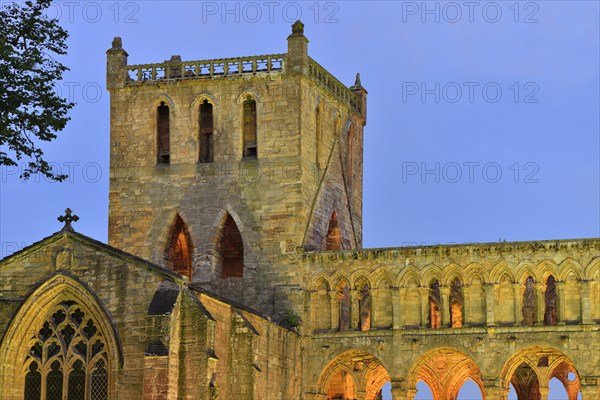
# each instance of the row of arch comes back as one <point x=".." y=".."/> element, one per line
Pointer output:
<point x="178" y="254"/>
<point x="370" y="301"/>
<point x="205" y="128"/>
<point x="357" y="374"/>
<point x="421" y="276"/>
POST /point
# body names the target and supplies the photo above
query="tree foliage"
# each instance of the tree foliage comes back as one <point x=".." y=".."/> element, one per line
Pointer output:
<point x="31" y="111"/>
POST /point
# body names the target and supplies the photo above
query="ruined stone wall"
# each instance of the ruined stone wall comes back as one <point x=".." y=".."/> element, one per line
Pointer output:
<point x="494" y="336"/>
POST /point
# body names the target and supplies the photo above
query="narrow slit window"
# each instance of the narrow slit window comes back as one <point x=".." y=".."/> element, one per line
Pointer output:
<point x="435" y="315"/>
<point x="206" y="133"/>
<point x="456" y="304"/>
<point x="162" y="133"/>
<point x="249" y="121"/>
<point x="550" y="315"/>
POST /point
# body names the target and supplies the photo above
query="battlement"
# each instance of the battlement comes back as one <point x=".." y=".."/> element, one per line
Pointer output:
<point x="174" y="70"/>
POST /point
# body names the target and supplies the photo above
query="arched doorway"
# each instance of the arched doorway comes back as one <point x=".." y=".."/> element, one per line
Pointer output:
<point x="353" y="373"/>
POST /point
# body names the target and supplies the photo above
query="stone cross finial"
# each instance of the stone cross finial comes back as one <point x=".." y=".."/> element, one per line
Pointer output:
<point x="67" y="219"/>
<point x="117" y="43"/>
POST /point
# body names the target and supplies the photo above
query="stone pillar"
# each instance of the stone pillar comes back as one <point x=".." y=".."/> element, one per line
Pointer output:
<point x="116" y="65"/>
<point x="544" y="393"/>
<point x="396" y="320"/>
<point x="375" y="308"/>
<point x="492" y="390"/>
<point x="360" y="395"/>
<point x="586" y="312"/>
<point x="333" y="299"/>
<point x="399" y="391"/>
<point x="424" y="292"/>
<point x="490" y="306"/>
<point x="540" y="303"/>
<point x="355" y="309"/>
<point x="560" y="303"/>
<point x="518" y="294"/>
<point x="297" y="56"/>
<point x="465" y="305"/>
<point x="445" y="306"/>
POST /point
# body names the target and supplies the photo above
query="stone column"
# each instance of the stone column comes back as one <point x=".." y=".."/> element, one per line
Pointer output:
<point x="399" y="391"/>
<point x="361" y="395"/>
<point x="396" y="320"/>
<point x="492" y="390"/>
<point x="355" y="296"/>
<point x="560" y="303"/>
<point x="586" y="312"/>
<point x="544" y="393"/>
<point x="310" y="310"/>
<point x="465" y="305"/>
<point x="375" y="308"/>
<point x="445" y="306"/>
<point x="116" y="65"/>
<point x="540" y="304"/>
<point x="518" y="293"/>
<point x="490" y="306"/>
<point x="424" y="292"/>
<point x="334" y="308"/>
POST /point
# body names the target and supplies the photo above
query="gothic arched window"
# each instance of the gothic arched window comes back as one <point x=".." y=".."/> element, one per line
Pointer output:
<point x="231" y="249"/>
<point x="529" y="302"/>
<point x="163" y="134"/>
<point x="435" y="315"/>
<point x="179" y="250"/>
<point x="550" y="316"/>
<point x="67" y="357"/>
<point x="206" y="133"/>
<point x="249" y="127"/>
<point x="456" y="304"/>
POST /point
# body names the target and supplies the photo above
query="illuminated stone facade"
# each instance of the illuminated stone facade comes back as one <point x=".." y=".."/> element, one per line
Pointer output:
<point x="235" y="267"/>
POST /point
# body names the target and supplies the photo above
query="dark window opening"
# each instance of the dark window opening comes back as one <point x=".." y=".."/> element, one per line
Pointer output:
<point x="179" y="250"/>
<point x="550" y="315"/>
<point x="364" y="306"/>
<point x="206" y="133"/>
<point x="435" y="315"/>
<point x="162" y="133"/>
<point x="344" y="299"/>
<point x="333" y="240"/>
<point x="456" y="304"/>
<point x="249" y="125"/>
<point x="529" y="302"/>
<point x="231" y="250"/>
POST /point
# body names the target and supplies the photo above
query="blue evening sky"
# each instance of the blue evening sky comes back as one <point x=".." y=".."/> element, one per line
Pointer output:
<point x="483" y="117"/>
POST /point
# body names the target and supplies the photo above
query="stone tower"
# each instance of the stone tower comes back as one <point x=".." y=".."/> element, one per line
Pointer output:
<point x="224" y="169"/>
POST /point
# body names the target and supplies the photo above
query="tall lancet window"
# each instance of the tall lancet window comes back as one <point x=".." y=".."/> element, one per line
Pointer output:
<point x="163" y="134"/>
<point x="206" y="133"/>
<point x="249" y="128"/>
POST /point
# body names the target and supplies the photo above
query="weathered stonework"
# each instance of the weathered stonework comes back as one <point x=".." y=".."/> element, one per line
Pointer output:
<point x="297" y="321"/>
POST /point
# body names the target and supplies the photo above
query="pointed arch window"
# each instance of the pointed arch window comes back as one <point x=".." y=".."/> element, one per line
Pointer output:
<point x="163" y="134"/>
<point x="550" y="315"/>
<point x="249" y="128"/>
<point x="179" y="249"/>
<point x="364" y="307"/>
<point x="67" y="357"/>
<point x="231" y="249"/>
<point x="333" y="240"/>
<point x="343" y="294"/>
<point x="206" y="133"/>
<point x="456" y="304"/>
<point x="435" y="315"/>
<point x="529" y="302"/>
